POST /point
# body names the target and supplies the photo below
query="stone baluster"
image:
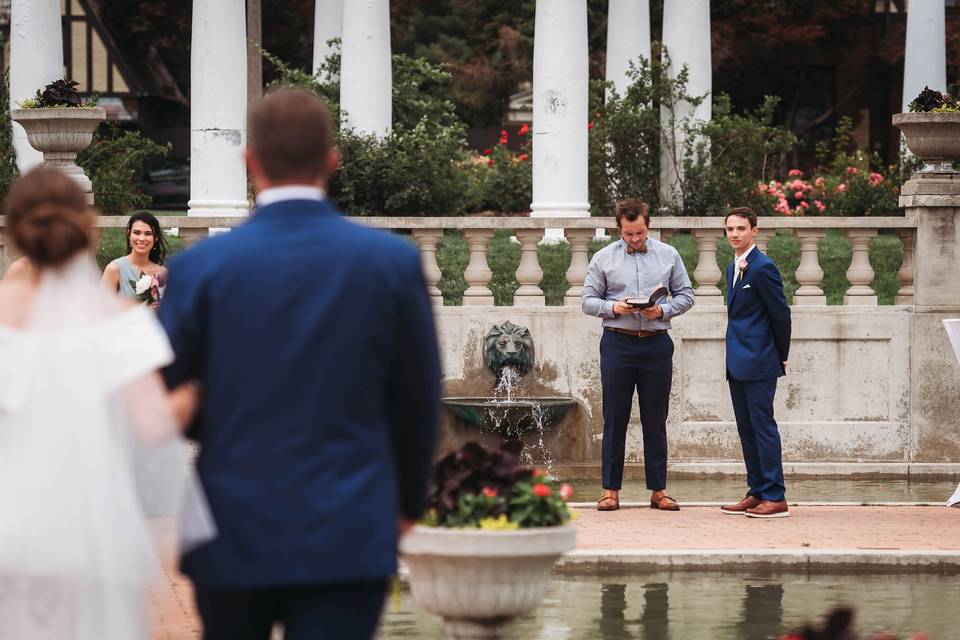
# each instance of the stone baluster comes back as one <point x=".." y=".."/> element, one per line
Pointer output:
<point x="193" y="235"/>
<point x="579" y="240"/>
<point x="665" y="235"/>
<point x="860" y="274"/>
<point x="477" y="273"/>
<point x="763" y="238"/>
<point x="427" y="240"/>
<point x="529" y="273"/>
<point x="707" y="272"/>
<point x="905" y="274"/>
<point x="809" y="274"/>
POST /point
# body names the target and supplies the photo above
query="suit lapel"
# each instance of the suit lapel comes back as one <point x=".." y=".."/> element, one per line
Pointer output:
<point x="751" y="257"/>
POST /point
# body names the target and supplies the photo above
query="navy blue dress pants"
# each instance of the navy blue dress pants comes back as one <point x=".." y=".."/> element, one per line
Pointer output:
<point x="759" y="436"/>
<point x="347" y="611"/>
<point x="644" y="365"/>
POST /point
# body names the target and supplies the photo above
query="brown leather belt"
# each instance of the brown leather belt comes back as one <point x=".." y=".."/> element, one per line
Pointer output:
<point x="640" y="333"/>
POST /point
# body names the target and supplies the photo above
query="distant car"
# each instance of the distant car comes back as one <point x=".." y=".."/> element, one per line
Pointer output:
<point x="168" y="185"/>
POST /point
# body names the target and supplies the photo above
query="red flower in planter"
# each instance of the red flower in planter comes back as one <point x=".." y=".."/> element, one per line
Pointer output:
<point x="503" y="137"/>
<point x="566" y="491"/>
<point x="490" y="492"/>
<point x="523" y="157"/>
<point x="541" y="490"/>
<point x="539" y="473"/>
<point x="491" y="162"/>
<point x="524" y="129"/>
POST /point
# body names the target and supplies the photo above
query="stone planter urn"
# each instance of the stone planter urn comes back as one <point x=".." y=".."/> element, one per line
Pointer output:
<point x="60" y="133"/>
<point x="932" y="137"/>
<point x="935" y="139"/>
<point x="478" y="581"/>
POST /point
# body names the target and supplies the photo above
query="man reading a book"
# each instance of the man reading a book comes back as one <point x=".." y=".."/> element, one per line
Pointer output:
<point x="637" y="285"/>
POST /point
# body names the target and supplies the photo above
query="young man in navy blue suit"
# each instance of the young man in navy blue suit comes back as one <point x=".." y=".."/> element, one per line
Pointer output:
<point x="313" y="341"/>
<point x="758" y="343"/>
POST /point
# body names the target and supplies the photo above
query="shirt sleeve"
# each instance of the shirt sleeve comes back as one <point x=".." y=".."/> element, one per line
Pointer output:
<point x="681" y="291"/>
<point x="593" y="298"/>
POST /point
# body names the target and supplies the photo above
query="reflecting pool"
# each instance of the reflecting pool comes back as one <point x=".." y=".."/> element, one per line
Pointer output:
<point x="693" y="606"/>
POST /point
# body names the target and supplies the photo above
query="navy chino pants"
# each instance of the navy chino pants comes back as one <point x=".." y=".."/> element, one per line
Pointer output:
<point x="644" y="365"/>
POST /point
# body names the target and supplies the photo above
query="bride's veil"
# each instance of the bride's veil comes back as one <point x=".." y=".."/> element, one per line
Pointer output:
<point x="88" y="437"/>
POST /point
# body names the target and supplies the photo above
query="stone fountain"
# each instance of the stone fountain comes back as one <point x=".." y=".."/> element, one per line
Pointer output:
<point x="508" y="352"/>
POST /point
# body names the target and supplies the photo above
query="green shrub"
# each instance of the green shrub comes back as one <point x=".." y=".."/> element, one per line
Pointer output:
<point x="8" y="155"/>
<point x="114" y="163"/>
<point x="418" y="168"/>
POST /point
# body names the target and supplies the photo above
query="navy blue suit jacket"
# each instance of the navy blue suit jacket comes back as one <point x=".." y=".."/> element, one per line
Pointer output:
<point x="758" y="321"/>
<point x="314" y="342"/>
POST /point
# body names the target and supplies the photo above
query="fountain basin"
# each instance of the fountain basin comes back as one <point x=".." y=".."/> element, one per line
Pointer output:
<point x="509" y="417"/>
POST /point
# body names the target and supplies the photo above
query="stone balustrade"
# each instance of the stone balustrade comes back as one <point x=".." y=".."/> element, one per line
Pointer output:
<point x="579" y="232"/>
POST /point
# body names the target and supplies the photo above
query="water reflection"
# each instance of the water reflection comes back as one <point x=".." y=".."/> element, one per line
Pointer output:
<point x="678" y="606"/>
<point x="612" y="621"/>
<point x="655" y="620"/>
<point x="761" y="616"/>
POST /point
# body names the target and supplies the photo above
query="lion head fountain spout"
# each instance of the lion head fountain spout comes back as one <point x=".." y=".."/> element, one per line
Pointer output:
<point x="508" y="345"/>
<point x="508" y="352"/>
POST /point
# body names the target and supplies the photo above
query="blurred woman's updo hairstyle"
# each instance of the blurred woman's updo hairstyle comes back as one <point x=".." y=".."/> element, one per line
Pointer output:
<point x="48" y="217"/>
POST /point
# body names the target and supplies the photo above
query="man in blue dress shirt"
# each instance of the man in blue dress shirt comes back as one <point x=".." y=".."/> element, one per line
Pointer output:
<point x="636" y="352"/>
<point x="312" y="338"/>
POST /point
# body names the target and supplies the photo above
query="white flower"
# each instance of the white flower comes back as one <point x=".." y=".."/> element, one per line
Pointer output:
<point x="143" y="284"/>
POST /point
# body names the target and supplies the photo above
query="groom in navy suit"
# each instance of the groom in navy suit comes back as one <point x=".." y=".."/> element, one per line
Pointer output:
<point x="313" y="341"/>
<point x="758" y="343"/>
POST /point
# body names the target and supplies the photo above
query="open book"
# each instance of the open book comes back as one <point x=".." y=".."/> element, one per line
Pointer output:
<point x="645" y="302"/>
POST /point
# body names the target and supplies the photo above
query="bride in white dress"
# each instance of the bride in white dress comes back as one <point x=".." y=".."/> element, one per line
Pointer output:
<point x="78" y="391"/>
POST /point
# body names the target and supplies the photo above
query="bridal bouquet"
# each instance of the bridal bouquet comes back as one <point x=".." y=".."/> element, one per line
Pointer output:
<point x="148" y="288"/>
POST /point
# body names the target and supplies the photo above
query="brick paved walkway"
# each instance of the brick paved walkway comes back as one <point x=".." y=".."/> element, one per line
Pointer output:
<point x="904" y="528"/>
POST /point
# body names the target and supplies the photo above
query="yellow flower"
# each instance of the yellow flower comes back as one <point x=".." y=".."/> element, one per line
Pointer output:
<point x="498" y="524"/>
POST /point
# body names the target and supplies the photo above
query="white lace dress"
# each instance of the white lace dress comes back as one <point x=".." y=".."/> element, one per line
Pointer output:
<point x="75" y="393"/>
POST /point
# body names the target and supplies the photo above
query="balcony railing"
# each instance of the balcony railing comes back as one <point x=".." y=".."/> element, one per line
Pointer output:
<point x="707" y="232"/>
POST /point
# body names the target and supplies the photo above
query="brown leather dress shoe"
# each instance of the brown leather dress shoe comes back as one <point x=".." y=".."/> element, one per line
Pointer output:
<point x="748" y="502"/>
<point x="664" y="503"/>
<point x="608" y="503"/>
<point x="769" y="509"/>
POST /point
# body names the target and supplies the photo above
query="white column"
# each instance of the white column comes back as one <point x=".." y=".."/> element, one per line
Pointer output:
<point x="218" y="109"/>
<point x="686" y="37"/>
<point x="366" y="81"/>
<point x="36" y="60"/>
<point x="560" y="111"/>
<point x="628" y="38"/>
<point x="327" y="25"/>
<point x="925" y="60"/>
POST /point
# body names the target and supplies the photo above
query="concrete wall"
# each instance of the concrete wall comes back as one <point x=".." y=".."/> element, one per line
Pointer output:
<point x="846" y="405"/>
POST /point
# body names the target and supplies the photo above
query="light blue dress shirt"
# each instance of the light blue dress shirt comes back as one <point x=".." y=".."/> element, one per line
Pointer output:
<point x="614" y="274"/>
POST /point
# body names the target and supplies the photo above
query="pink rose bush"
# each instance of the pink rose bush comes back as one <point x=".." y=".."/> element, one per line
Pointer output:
<point x="844" y="193"/>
